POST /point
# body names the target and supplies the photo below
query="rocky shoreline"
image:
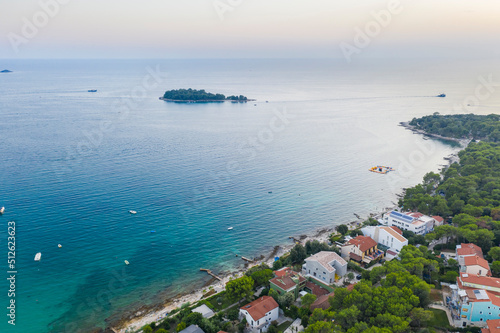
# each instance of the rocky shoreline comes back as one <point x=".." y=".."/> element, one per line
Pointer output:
<point x="463" y="142"/>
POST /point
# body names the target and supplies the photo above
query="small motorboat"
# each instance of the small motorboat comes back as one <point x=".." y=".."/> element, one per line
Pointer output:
<point x="132" y="212"/>
<point x="230" y="228"/>
<point x="126" y="262"/>
<point x="59" y="245"/>
<point x="441" y="95"/>
<point x="2" y="210"/>
<point x="152" y="231"/>
<point x="92" y="90"/>
<point x="38" y="256"/>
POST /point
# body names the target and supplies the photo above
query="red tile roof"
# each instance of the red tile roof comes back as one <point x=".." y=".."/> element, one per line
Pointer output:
<point x="468" y="249"/>
<point x="364" y="243"/>
<point x="415" y="214"/>
<point x="394" y="234"/>
<point x="355" y="256"/>
<point x="476" y="260"/>
<point x="493" y="325"/>
<point x="322" y="302"/>
<point x="397" y="230"/>
<point x="258" y="308"/>
<point x="282" y="271"/>
<point x="479" y="280"/>
<point x="286" y="282"/>
<point x="315" y="289"/>
<point x="438" y="218"/>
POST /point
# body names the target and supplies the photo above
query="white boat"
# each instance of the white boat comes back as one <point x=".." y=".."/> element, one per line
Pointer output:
<point x="38" y="256"/>
<point x="132" y="212"/>
<point x="2" y="210"/>
<point x="230" y="228"/>
<point x="126" y="262"/>
<point x="59" y="245"/>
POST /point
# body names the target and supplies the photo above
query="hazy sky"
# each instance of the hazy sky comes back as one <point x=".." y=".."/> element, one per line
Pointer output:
<point x="246" y="28"/>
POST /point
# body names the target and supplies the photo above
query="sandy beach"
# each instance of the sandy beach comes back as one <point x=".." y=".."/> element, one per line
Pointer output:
<point x="156" y="315"/>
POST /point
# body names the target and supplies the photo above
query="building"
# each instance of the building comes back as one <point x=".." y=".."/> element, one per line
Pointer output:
<point x="392" y="237"/>
<point x="287" y="281"/>
<point x="260" y="313"/>
<point x="479" y="305"/>
<point x="467" y="250"/>
<point x="361" y="249"/>
<point x="416" y="222"/>
<point x="475" y="265"/>
<point x="466" y="281"/>
<point x="438" y="221"/>
<point x="192" y="329"/>
<point x="493" y="326"/>
<point x="205" y="311"/>
<point x="323" y="266"/>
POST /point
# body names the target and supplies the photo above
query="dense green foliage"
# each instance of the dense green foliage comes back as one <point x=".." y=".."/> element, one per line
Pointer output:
<point x="461" y="126"/>
<point x="239" y="288"/>
<point x="199" y="95"/>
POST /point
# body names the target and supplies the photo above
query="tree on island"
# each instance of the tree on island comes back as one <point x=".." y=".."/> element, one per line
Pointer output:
<point x="198" y="95"/>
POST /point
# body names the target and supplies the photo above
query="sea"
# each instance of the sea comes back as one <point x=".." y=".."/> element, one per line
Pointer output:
<point x="73" y="163"/>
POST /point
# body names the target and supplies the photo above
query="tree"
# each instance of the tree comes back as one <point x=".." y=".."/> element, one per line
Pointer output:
<point x="347" y="318"/>
<point x="286" y="300"/>
<point x="419" y="316"/>
<point x="147" y="329"/>
<point x="453" y="264"/>
<point x="162" y="330"/>
<point x="343" y="229"/>
<point x="262" y="277"/>
<point x="494" y="253"/>
<point x="322" y="327"/>
<point x="181" y="326"/>
<point x="298" y="254"/>
<point x="495" y="268"/>
<point x="307" y="300"/>
<point x="239" y="288"/>
<point x="349" y="277"/>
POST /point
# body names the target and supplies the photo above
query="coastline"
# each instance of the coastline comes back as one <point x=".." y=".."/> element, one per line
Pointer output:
<point x="157" y="313"/>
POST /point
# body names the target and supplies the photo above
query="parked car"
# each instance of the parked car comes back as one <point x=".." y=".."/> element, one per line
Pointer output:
<point x="358" y="277"/>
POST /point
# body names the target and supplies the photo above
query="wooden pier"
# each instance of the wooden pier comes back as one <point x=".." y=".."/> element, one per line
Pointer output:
<point x="209" y="272"/>
<point x="246" y="259"/>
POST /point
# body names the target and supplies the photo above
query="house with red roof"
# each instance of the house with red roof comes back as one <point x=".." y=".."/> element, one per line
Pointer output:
<point x="287" y="281"/>
<point x="493" y="326"/>
<point x="361" y="249"/>
<point x="475" y="265"/>
<point x="467" y="250"/>
<point x="479" y="305"/>
<point x="260" y="313"/>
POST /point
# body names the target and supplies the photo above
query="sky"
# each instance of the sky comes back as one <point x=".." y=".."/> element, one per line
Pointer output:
<point x="248" y="28"/>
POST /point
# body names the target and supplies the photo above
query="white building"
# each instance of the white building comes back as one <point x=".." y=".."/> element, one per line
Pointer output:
<point x="392" y="237"/>
<point x="260" y="313"/>
<point x="323" y="266"/>
<point x="416" y="222"/>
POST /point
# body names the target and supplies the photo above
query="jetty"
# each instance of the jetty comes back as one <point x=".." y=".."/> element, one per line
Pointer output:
<point x="209" y="272"/>
<point x="246" y="259"/>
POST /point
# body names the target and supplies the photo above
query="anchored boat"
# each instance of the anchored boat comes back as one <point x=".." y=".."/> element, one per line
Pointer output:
<point x="381" y="169"/>
<point x="38" y="256"/>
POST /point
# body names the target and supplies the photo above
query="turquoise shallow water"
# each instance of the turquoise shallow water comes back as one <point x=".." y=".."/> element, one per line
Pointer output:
<point x="74" y="163"/>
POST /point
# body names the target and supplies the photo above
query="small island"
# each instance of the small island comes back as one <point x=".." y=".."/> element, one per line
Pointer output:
<point x="5" y="71"/>
<point x="199" y="96"/>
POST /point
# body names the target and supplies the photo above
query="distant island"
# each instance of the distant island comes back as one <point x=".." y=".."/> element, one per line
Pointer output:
<point x="5" y="71"/>
<point x="199" y="96"/>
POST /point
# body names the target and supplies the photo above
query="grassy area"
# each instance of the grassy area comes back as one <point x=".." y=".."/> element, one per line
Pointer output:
<point x="220" y="297"/>
<point x="440" y="319"/>
<point x="283" y="326"/>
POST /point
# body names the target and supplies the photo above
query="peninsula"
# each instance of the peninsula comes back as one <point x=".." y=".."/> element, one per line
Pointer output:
<point x="6" y="71"/>
<point x="199" y="96"/>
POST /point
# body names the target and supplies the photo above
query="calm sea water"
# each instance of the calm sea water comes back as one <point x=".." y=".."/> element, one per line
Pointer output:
<point x="73" y="164"/>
